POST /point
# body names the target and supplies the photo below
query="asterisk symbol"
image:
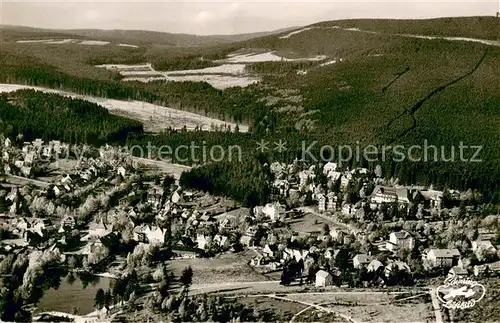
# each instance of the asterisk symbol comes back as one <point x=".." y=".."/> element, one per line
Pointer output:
<point x="280" y="146"/>
<point x="262" y="145"/>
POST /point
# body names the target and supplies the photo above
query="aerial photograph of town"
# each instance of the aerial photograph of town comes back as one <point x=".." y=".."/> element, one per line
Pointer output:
<point x="250" y="161"/>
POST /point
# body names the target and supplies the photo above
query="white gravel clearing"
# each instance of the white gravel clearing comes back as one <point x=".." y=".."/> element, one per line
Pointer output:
<point x="34" y="41"/>
<point x="94" y="42"/>
<point x="128" y="45"/>
<point x="63" y="41"/>
<point x="220" y="77"/>
<point x="231" y="73"/>
<point x="295" y="32"/>
<point x="267" y="57"/>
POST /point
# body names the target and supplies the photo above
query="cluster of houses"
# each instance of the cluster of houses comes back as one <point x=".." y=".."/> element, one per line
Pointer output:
<point x="33" y="155"/>
<point x="195" y="224"/>
<point x="294" y="181"/>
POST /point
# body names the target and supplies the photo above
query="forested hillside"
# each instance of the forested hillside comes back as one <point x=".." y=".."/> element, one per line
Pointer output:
<point x="377" y="88"/>
<point x="471" y="27"/>
<point x="50" y="116"/>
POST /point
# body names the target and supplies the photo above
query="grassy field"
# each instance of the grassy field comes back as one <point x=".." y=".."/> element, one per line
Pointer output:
<point x="285" y="310"/>
<point x="224" y="268"/>
<point x="372" y="306"/>
<point x="307" y="224"/>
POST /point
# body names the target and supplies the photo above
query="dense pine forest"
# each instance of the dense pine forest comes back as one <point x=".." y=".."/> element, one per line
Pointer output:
<point x="51" y="116"/>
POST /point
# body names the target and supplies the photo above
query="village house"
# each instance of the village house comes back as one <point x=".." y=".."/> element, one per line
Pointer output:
<point x="27" y="171"/>
<point x="331" y="202"/>
<point x="298" y="254"/>
<point x="57" y="190"/>
<point x="492" y="269"/>
<point x="384" y="194"/>
<point x="331" y="253"/>
<point x="328" y="168"/>
<point x="97" y="230"/>
<point x="23" y="224"/>
<point x="345" y="179"/>
<point x="68" y="223"/>
<point x="246" y="241"/>
<point x="323" y="279"/>
<point x="149" y="234"/>
<point x="305" y="177"/>
<point x="441" y="258"/>
<point x="321" y="203"/>
<point x="19" y="163"/>
<point x="46" y="152"/>
<point x="56" y="146"/>
<point x="360" y="260"/>
<point x="185" y="252"/>
<point x="37" y="143"/>
<point x="430" y="198"/>
<point x="41" y="227"/>
<point x="26" y="147"/>
<point x="176" y="197"/>
<point x="274" y="211"/>
<point x="29" y="158"/>
<point x="67" y="182"/>
<point x="202" y="241"/>
<point x="121" y="171"/>
<point x="400" y="240"/>
<point x="90" y="247"/>
<point x="374" y="266"/>
<point x="348" y="209"/>
<point x="483" y="249"/>
<point x="222" y="241"/>
<point x="282" y="186"/>
<point x="338" y="234"/>
<point x="458" y="271"/>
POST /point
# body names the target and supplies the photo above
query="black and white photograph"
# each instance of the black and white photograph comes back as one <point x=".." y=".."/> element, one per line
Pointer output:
<point x="250" y="161"/>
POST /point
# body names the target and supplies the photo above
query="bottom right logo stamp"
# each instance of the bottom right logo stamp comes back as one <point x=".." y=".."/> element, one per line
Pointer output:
<point x="460" y="293"/>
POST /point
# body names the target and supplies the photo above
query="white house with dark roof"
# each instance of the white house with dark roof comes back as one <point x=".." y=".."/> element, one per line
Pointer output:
<point x="374" y="265"/>
<point x="441" y="258"/>
<point x="323" y="279"/>
<point x="432" y="198"/>
<point x="385" y="194"/>
<point x="274" y="211"/>
<point x="330" y="171"/>
<point x="400" y="240"/>
<point x="360" y="260"/>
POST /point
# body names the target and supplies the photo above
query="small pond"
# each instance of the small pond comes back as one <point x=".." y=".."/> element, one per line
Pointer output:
<point x="75" y="292"/>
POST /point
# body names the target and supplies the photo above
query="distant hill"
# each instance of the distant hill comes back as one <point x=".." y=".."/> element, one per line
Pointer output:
<point x="10" y="33"/>
<point x="472" y="27"/>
